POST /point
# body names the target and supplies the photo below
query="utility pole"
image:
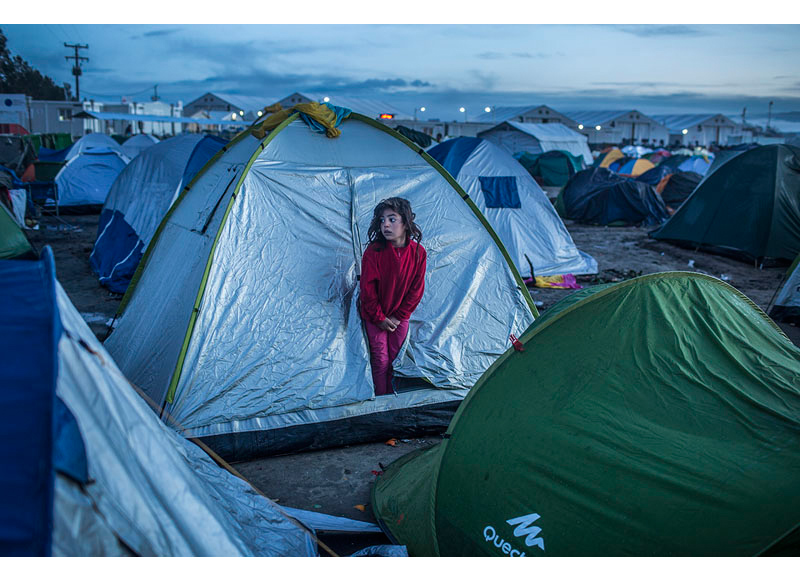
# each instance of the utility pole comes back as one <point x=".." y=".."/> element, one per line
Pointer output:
<point x="76" y="69"/>
<point x="155" y="93"/>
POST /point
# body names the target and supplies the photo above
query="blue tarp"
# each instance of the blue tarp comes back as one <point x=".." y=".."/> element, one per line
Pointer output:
<point x="500" y="191"/>
<point x="53" y="155"/>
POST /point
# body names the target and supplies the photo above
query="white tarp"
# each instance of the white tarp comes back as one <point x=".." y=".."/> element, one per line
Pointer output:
<point x="542" y="137"/>
<point x="149" y="489"/>
<point x="278" y="339"/>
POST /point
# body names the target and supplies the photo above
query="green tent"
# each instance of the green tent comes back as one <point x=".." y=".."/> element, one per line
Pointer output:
<point x="655" y="417"/>
<point x="552" y="168"/>
<point x="748" y="208"/>
<point x="13" y="243"/>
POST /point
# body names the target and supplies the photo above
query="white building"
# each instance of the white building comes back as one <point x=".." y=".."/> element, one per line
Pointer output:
<point x="524" y="114"/>
<point x="243" y="106"/>
<point x="626" y="127"/>
<point x="701" y="129"/>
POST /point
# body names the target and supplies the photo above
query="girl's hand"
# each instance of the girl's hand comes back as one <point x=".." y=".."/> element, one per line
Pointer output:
<point x="387" y="324"/>
<point x="394" y="321"/>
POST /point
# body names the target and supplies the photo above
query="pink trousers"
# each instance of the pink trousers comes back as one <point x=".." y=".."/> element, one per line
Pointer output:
<point x="383" y="349"/>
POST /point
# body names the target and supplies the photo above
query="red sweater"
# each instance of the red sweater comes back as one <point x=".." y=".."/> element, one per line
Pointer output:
<point x="392" y="280"/>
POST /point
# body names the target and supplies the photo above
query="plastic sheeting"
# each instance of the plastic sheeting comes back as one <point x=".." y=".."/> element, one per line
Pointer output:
<point x="277" y="340"/>
<point x="533" y="231"/>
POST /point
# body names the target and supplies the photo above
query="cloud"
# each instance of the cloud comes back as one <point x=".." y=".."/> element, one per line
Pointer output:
<point x="650" y="30"/>
<point x="161" y="32"/>
<point x="491" y="55"/>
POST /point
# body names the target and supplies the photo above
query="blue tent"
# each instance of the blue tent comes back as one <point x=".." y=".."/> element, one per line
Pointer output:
<point x="139" y="199"/>
<point x="87" y="178"/>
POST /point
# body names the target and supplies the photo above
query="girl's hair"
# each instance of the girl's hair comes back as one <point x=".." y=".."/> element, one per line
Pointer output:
<point x="403" y="208"/>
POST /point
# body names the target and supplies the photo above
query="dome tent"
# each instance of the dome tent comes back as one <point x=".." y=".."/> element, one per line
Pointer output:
<point x="138" y="200"/>
<point x="86" y="178"/>
<point x="748" y="208"/>
<point x="88" y="469"/>
<point x="690" y="452"/>
<point x="524" y="219"/>
<point x="138" y="143"/>
<point x="242" y="318"/>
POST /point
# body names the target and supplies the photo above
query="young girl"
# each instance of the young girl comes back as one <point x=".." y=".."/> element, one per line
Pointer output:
<point x="392" y="283"/>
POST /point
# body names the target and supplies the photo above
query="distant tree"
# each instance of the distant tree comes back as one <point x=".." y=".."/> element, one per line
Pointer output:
<point x="17" y="76"/>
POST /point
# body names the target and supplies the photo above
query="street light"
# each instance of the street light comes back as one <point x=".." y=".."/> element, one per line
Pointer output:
<point x="685" y="131"/>
<point x="326" y="100"/>
<point x="598" y="127"/>
<point x="580" y="127"/>
<point x="420" y="109"/>
<point x="463" y="110"/>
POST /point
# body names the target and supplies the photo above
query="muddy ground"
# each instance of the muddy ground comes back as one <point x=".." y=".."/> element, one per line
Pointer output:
<point x="338" y="481"/>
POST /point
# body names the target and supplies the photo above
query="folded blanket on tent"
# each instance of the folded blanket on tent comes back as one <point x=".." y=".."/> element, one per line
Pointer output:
<point x="322" y="118"/>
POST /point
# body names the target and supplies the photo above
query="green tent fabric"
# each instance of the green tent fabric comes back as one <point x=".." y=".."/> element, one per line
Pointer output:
<point x="552" y="168"/>
<point x="748" y="208"/>
<point x="655" y="417"/>
<point x="13" y="243"/>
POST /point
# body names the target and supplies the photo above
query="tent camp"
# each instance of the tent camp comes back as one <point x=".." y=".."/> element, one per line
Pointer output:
<point x="517" y="137"/>
<point x="87" y="467"/>
<point x="787" y="303"/>
<point x="552" y="168"/>
<point x="138" y="200"/>
<point x="678" y="434"/>
<point x="600" y="196"/>
<point x="242" y="320"/>
<point x="748" y="208"/>
<point x="86" y="179"/>
<point x="515" y="206"/>
<point x="138" y="143"/>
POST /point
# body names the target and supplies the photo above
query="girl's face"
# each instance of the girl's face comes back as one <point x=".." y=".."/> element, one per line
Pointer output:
<point x="393" y="228"/>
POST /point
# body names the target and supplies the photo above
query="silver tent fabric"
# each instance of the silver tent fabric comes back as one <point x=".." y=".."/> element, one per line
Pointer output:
<point x="535" y="229"/>
<point x="148" y="488"/>
<point x="278" y="340"/>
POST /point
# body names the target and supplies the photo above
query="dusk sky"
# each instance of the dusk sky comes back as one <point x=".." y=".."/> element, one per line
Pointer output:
<point x="655" y="68"/>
